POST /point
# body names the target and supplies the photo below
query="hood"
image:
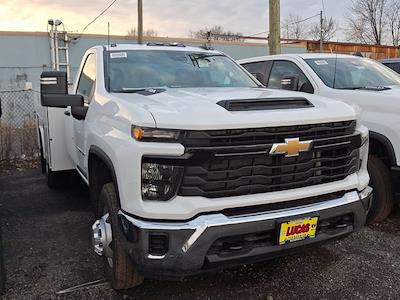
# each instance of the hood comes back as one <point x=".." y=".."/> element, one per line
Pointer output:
<point x="370" y="100"/>
<point x="197" y="109"/>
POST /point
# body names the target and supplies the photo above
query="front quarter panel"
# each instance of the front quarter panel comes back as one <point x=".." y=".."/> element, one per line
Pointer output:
<point x="380" y="113"/>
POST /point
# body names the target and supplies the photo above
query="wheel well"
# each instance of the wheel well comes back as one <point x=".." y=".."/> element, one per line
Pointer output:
<point x="381" y="147"/>
<point x="99" y="174"/>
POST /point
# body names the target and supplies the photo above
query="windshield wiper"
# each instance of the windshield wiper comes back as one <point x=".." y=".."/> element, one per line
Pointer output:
<point x="143" y="91"/>
<point x="367" y="88"/>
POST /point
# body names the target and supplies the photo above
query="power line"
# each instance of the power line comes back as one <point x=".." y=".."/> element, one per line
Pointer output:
<point x="290" y="24"/>
<point x="258" y="33"/>
<point x="301" y="21"/>
<point x="99" y="15"/>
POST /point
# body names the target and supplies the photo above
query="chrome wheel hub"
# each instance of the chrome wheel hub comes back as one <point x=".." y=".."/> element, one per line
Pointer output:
<point x="102" y="237"/>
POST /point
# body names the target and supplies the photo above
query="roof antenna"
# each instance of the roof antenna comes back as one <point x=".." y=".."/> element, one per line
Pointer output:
<point x="336" y="59"/>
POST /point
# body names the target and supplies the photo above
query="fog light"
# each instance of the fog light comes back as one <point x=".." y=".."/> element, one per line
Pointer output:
<point x="158" y="244"/>
<point x="159" y="182"/>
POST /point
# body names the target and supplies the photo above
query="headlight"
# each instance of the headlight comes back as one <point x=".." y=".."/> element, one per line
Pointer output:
<point x="160" y="182"/>
<point x="146" y="134"/>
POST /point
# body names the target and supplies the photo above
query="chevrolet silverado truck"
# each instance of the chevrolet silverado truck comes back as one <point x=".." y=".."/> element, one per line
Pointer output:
<point x="192" y="165"/>
<point x="355" y="80"/>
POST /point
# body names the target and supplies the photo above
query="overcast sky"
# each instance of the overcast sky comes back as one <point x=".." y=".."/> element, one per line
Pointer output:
<point x="167" y="17"/>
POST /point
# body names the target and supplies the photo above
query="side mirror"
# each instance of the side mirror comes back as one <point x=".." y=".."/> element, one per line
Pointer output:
<point x="290" y="82"/>
<point x="54" y="90"/>
<point x="79" y="112"/>
<point x="54" y="100"/>
<point x="260" y="77"/>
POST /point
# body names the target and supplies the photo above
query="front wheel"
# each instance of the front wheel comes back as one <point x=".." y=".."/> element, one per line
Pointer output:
<point x="119" y="268"/>
<point x="381" y="182"/>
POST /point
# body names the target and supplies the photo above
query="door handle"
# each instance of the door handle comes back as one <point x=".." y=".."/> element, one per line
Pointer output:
<point x="67" y="113"/>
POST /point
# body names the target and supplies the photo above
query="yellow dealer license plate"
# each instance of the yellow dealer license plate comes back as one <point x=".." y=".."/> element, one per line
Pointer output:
<point x="298" y="230"/>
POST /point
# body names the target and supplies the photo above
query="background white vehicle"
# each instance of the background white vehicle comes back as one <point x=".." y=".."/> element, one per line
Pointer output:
<point x="192" y="165"/>
<point x="392" y="63"/>
<point x="370" y="85"/>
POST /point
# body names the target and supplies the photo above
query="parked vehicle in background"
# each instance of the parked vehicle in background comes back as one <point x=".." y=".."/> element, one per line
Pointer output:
<point x="356" y="80"/>
<point x="192" y="165"/>
<point x="393" y="63"/>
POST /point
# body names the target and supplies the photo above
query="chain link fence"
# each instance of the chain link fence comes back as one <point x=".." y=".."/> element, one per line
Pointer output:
<point x="18" y="133"/>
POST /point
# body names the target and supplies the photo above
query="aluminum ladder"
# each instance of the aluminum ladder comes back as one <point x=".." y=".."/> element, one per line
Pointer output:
<point x="59" y="50"/>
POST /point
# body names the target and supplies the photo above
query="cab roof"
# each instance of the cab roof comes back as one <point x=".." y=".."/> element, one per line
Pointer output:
<point x="299" y="55"/>
<point x="159" y="46"/>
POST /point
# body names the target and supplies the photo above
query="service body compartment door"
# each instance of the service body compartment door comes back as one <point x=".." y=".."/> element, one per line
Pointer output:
<point x="55" y="136"/>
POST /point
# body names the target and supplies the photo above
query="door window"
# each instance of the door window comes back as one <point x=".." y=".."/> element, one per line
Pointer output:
<point x="87" y="79"/>
<point x="282" y="68"/>
<point x="256" y="67"/>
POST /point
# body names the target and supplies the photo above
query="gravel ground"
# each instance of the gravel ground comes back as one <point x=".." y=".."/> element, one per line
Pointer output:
<point x="47" y="250"/>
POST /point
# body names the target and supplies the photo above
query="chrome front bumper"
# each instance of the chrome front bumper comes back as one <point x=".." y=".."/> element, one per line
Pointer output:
<point x="187" y="244"/>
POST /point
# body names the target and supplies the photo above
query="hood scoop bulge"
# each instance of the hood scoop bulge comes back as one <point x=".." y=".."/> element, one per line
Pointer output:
<point x="265" y="104"/>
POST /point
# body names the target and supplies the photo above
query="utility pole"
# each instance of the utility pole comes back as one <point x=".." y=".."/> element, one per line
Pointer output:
<point x="321" y="38"/>
<point x="274" y="40"/>
<point x="140" y="22"/>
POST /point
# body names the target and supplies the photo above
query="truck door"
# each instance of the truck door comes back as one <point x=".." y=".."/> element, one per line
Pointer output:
<point x="86" y="87"/>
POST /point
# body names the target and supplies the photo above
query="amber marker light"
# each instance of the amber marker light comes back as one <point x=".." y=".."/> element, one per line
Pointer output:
<point x="137" y="133"/>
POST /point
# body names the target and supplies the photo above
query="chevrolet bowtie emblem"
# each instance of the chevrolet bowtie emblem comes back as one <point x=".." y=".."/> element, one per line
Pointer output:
<point x="291" y="147"/>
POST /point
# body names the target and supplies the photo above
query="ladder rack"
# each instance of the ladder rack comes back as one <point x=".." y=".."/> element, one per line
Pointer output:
<point x="59" y="50"/>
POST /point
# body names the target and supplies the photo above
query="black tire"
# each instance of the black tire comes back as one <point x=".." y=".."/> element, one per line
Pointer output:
<point x="122" y="274"/>
<point x="43" y="162"/>
<point x="381" y="182"/>
<point x="55" y="180"/>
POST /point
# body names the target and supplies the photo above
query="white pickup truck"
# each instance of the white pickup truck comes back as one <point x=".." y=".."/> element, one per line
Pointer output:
<point x="355" y="80"/>
<point x="192" y="165"/>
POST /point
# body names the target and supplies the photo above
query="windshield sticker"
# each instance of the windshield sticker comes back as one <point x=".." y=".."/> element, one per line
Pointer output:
<point x="321" y="62"/>
<point x="118" y="55"/>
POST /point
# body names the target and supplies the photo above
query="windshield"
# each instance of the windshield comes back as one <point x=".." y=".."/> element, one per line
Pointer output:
<point x="137" y="69"/>
<point x="353" y="72"/>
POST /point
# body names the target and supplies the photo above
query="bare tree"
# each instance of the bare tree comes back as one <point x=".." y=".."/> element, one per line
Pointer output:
<point x="217" y="33"/>
<point x="366" y="20"/>
<point x="329" y="28"/>
<point x="294" y="27"/>
<point x="147" y="32"/>
<point x="394" y="22"/>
